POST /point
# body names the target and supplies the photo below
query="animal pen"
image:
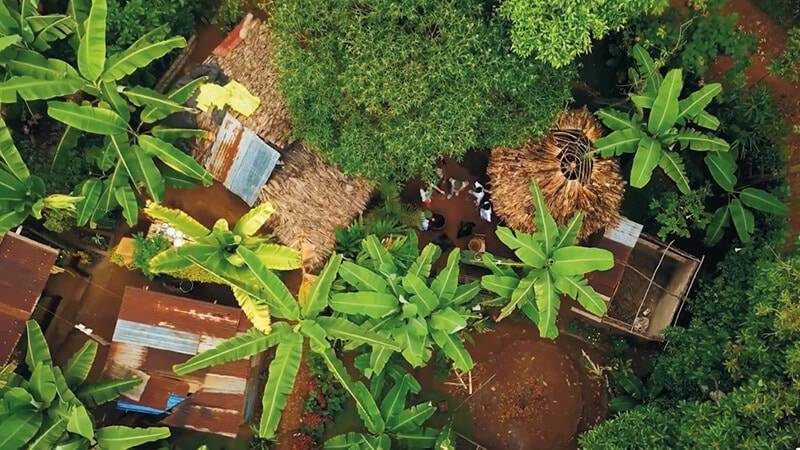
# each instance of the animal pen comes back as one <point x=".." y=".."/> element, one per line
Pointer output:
<point x="646" y="289"/>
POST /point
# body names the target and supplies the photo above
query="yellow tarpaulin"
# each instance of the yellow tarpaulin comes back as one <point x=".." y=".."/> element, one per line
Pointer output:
<point x="233" y="94"/>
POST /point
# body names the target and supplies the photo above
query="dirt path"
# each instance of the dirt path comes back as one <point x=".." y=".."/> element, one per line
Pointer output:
<point x="771" y="42"/>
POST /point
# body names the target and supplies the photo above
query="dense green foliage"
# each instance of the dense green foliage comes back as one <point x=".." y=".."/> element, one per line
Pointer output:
<point x="50" y="409"/>
<point x="693" y="39"/>
<point x="229" y="13"/>
<point x="557" y="31"/>
<point x="115" y="120"/>
<point x="386" y="88"/>
<point x="145" y="248"/>
<point x="787" y="65"/>
<point x="677" y="214"/>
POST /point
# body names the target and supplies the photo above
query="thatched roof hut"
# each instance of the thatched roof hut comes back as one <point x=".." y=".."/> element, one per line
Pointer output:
<point x="312" y="197"/>
<point x="570" y="180"/>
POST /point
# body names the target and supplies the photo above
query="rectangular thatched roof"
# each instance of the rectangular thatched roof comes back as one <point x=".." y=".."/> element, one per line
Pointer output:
<point x="312" y="197"/>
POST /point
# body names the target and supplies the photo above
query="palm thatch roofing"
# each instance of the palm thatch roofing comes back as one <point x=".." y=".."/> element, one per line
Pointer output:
<point x="570" y="179"/>
<point x="312" y="198"/>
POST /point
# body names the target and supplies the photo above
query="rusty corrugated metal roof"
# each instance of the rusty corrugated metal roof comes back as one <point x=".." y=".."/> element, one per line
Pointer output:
<point x="24" y="269"/>
<point x="154" y="331"/>
<point x="240" y="160"/>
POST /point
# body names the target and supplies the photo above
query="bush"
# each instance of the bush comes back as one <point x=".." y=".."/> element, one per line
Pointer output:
<point x="229" y="13"/>
<point x="128" y="20"/>
<point x="787" y="65"/>
<point x="384" y="91"/>
<point x="694" y="40"/>
<point x="557" y="32"/>
<point x="677" y="213"/>
<point x="145" y="248"/>
<point x="752" y="121"/>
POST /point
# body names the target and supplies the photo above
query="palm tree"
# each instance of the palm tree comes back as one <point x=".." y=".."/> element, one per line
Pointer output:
<point x="406" y="304"/>
<point x="403" y="425"/>
<point x="551" y="265"/>
<point x="216" y="251"/>
<point x="50" y="409"/>
<point x="302" y="325"/>
<point x="21" y="193"/>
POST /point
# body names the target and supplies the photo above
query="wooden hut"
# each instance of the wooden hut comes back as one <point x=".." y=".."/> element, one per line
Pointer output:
<point x="570" y="177"/>
<point x="646" y="288"/>
<point x="312" y="197"/>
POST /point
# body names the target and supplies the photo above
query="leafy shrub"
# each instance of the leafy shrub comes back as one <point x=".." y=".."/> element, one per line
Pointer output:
<point x="752" y="121"/>
<point x="784" y="12"/>
<point x="229" y="13"/>
<point x="677" y="213"/>
<point x="129" y="20"/>
<point x="694" y="40"/>
<point x="59" y="220"/>
<point x="145" y="248"/>
<point x="557" y="32"/>
<point x="384" y="91"/>
<point x="757" y="416"/>
<point x="787" y="65"/>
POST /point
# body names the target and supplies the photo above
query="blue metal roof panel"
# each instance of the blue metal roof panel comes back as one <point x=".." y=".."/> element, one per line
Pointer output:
<point x="156" y="337"/>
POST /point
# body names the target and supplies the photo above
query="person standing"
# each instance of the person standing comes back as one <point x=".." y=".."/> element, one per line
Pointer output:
<point x="479" y="192"/>
<point x="486" y="210"/>
<point x="456" y="186"/>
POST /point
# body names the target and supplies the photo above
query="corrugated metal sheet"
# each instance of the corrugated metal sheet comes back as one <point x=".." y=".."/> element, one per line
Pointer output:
<point x="158" y="337"/>
<point x="24" y="269"/>
<point x="155" y="331"/>
<point x="240" y="160"/>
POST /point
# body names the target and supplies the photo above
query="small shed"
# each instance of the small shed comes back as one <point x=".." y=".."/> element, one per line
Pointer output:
<point x="240" y="160"/>
<point x="24" y="270"/>
<point x="312" y="197"/>
<point x="155" y="331"/>
<point x="646" y="288"/>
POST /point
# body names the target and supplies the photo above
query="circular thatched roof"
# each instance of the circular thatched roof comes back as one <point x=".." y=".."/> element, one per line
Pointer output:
<point x="569" y="180"/>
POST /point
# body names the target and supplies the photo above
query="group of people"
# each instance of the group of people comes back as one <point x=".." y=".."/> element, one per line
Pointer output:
<point x="479" y="192"/>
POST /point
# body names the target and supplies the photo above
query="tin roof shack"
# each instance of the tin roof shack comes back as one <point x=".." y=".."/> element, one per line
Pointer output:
<point x="24" y="270"/>
<point x="155" y="331"/>
<point x="240" y="160"/>
<point x="648" y="284"/>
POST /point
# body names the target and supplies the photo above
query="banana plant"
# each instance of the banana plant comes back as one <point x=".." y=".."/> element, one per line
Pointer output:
<point x="740" y="202"/>
<point x="22" y="194"/>
<point x="551" y="265"/>
<point x="216" y="251"/>
<point x="22" y="27"/>
<point x="407" y="305"/>
<point x="302" y="325"/>
<point x="671" y="125"/>
<point x="51" y="408"/>
<point x="404" y="425"/>
<point x="101" y="104"/>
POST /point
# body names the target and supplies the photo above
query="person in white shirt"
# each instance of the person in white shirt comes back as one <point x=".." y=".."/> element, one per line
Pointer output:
<point x="486" y="211"/>
<point x="479" y="192"/>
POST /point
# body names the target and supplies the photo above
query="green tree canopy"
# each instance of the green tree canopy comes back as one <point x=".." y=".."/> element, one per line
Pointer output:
<point x="557" y="31"/>
<point x="384" y="88"/>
